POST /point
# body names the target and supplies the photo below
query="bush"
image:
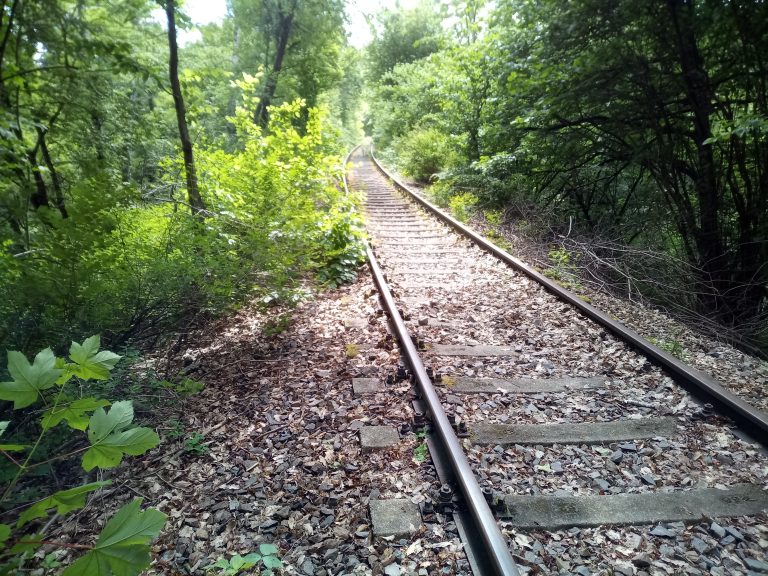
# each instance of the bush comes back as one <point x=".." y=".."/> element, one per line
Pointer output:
<point x="425" y="152"/>
<point x="132" y="264"/>
<point x="49" y="403"/>
<point x="462" y="205"/>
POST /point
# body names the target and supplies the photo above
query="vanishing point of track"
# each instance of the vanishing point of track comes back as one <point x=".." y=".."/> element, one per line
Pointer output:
<point x="510" y="370"/>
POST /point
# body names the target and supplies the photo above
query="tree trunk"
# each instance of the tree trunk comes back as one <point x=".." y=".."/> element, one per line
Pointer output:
<point x="58" y="193"/>
<point x="193" y="193"/>
<point x="283" y="34"/>
<point x="700" y="96"/>
<point x="11" y="11"/>
<point x="39" y="197"/>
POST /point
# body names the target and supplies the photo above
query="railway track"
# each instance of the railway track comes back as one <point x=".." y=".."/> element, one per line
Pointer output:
<point x="554" y="434"/>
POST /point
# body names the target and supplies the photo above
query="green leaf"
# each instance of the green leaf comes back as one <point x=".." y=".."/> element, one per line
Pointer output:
<point x="5" y="533"/>
<point x="92" y="364"/>
<point x="74" y="413"/>
<point x="64" y="501"/>
<point x="272" y="562"/>
<point x="110" y="440"/>
<point x="268" y="550"/>
<point x="13" y="447"/>
<point x="237" y="562"/>
<point x="28" y="380"/>
<point x="123" y="546"/>
<point x="28" y="543"/>
<point x="251" y="559"/>
<point x="79" y="353"/>
<point x="3" y="427"/>
<point x="103" y="423"/>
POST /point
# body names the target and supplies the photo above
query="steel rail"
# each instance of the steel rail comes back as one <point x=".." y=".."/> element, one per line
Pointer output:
<point x="751" y="420"/>
<point x="498" y="557"/>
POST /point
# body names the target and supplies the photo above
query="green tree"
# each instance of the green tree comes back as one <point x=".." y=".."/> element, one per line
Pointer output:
<point x="296" y="45"/>
<point x="401" y="36"/>
<point x="661" y="98"/>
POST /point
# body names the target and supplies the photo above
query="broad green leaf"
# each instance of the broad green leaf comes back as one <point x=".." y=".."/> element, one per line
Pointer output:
<point x="272" y="562"/>
<point x="252" y="559"/>
<point x="237" y="562"/>
<point x="79" y="353"/>
<point x="123" y="546"/>
<point x="92" y="364"/>
<point x="28" y="543"/>
<point x="268" y="550"/>
<point x="110" y="440"/>
<point x="13" y="447"/>
<point x="28" y="379"/>
<point x="64" y="501"/>
<point x="108" y="453"/>
<point x="5" y="533"/>
<point x="75" y="413"/>
<point x="3" y="427"/>
<point x="103" y="423"/>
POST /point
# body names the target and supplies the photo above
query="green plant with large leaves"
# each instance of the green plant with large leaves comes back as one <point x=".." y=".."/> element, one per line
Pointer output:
<point x="50" y="386"/>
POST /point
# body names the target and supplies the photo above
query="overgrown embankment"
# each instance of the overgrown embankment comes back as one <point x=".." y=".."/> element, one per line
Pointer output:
<point x="631" y="140"/>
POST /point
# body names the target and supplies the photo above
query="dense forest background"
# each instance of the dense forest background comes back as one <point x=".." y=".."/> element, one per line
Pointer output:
<point x="631" y="136"/>
<point x="144" y="183"/>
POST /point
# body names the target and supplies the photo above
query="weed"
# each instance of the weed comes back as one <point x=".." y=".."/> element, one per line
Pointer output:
<point x="184" y="387"/>
<point x="52" y="387"/>
<point x="175" y="429"/>
<point x="420" y="452"/>
<point x="671" y="345"/>
<point x="493" y="217"/>
<point x="276" y="325"/>
<point x="352" y="350"/>
<point x="499" y="240"/>
<point x="194" y="444"/>
<point x="51" y="561"/>
<point x="462" y="205"/>
<point x="266" y="557"/>
<point x="563" y="269"/>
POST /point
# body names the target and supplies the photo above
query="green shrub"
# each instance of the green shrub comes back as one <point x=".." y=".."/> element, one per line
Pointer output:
<point x="134" y="264"/>
<point x="49" y="392"/>
<point x="462" y="205"/>
<point x="425" y="152"/>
